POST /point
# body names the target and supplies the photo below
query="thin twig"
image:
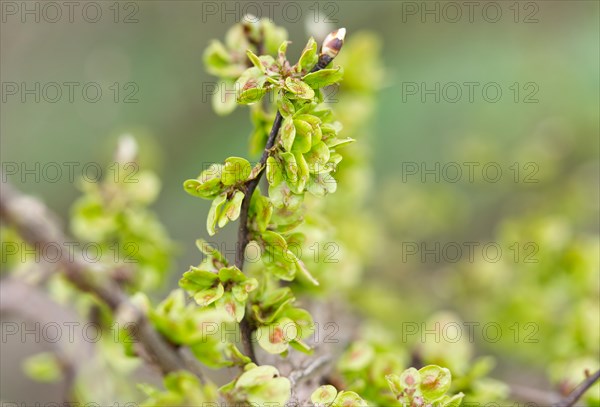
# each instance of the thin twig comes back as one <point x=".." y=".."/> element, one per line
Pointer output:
<point x="579" y="391"/>
<point x="34" y="223"/>
<point x="305" y="372"/>
<point x="331" y="46"/>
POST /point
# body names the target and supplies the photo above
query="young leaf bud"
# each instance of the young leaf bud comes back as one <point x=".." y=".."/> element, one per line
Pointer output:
<point x="333" y="43"/>
<point x="330" y="48"/>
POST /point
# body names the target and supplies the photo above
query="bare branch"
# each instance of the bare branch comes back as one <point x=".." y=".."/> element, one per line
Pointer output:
<point x="579" y="391"/>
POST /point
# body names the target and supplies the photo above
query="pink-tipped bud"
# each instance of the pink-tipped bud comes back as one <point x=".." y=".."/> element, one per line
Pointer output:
<point x="333" y="43"/>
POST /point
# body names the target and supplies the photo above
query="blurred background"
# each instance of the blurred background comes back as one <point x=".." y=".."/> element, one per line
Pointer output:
<point x="484" y="138"/>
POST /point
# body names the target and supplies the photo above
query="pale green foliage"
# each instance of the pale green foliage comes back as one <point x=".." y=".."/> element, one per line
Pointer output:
<point x="258" y="385"/>
<point x="181" y="389"/>
<point x="282" y="221"/>
<point x="216" y="283"/>
<point x="304" y="158"/>
<point x="328" y="396"/>
<point x="426" y="386"/>
<point x="114" y="215"/>
<point x="43" y="367"/>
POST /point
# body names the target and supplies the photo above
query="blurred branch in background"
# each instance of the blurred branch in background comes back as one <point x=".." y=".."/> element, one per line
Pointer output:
<point x="33" y="221"/>
<point x="576" y="394"/>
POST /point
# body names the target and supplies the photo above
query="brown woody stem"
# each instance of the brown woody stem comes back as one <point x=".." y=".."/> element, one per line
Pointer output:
<point x="329" y="50"/>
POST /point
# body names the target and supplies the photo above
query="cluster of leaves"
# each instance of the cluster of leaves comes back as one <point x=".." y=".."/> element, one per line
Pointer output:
<point x="228" y="61"/>
<point x="216" y="283"/>
<point x="258" y="385"/>
<point x="364" y="364"/>
<point x="426" y="386"/>
<point x="414" y="388"/>
<point x="303" y="158"/>
<point x="327" y="395"/>
<point x="181" y="389"/>
<point x="299" y="170"/>
<point x="113" y="214"/>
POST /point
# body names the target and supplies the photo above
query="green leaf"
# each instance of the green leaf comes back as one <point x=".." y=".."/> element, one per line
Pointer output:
<point x="231" y="274"/>
<point x="237" y="357"/>
<point x="43" y="367"/>
<point x="299" y="88"/>
<point x="228" y="303"/>
<point x="303" y="140"/>
<point x="208" y="250"/>
<point x="206" y="297"/>
<point x="301" y="267"/>
<point x="208" y="184"/>
<point x="288" y="133"/>
<point x="435" y="381"/>
<point x="274" y="172"/>
<point x="324" y="395"/>
<point x="309" y="57"/>
<point x="282" y="51"/>
<point x="217" y="61"/>
<point x="322" y="184"/>
<point x="240" y="291"/>
<point x="273" y="304"/>
<point x="256" y="61"/>
<point x="317" y="157"/>
<point x="285" y="107"/>
<point x="301" y="346"/>
<point x="274" y="240"/>
<point x="231" y="210"/>
<point x="275" y="338"/>
<point x="197" y="279"/>
<point x="282" y="197"/>
<point x="251" y="95"/>
<point x="453" y="401"/>
<point x="357" y="357"/>
<point x="324" y="77"/>
<point x="310" y="118"/>
<point x="224" y="99"/>
<point x="260" y="212"/>
<point x="275" y="392"/>
<point x="338" y="142"/>
<point x="348" y="399"/>
<point x="290" y="167"/>
<point x="303" y="175"/>
<point x="256" y="376"/>
<point x="303" y="319"/>
<point x="213" y="214"/>
<point x="235" y="170"/>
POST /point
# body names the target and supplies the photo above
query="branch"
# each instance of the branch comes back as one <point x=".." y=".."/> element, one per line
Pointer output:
<point x="305" y="372"/>
<point x="329" y="50"/>
<point x="579" y="391"/>
<point x="533" y="395"/>
<point x="30" y="303"/>
<point x="35" y="224"/>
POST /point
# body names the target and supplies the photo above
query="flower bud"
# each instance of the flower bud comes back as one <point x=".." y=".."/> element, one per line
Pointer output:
<point x="333" y="43"/>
